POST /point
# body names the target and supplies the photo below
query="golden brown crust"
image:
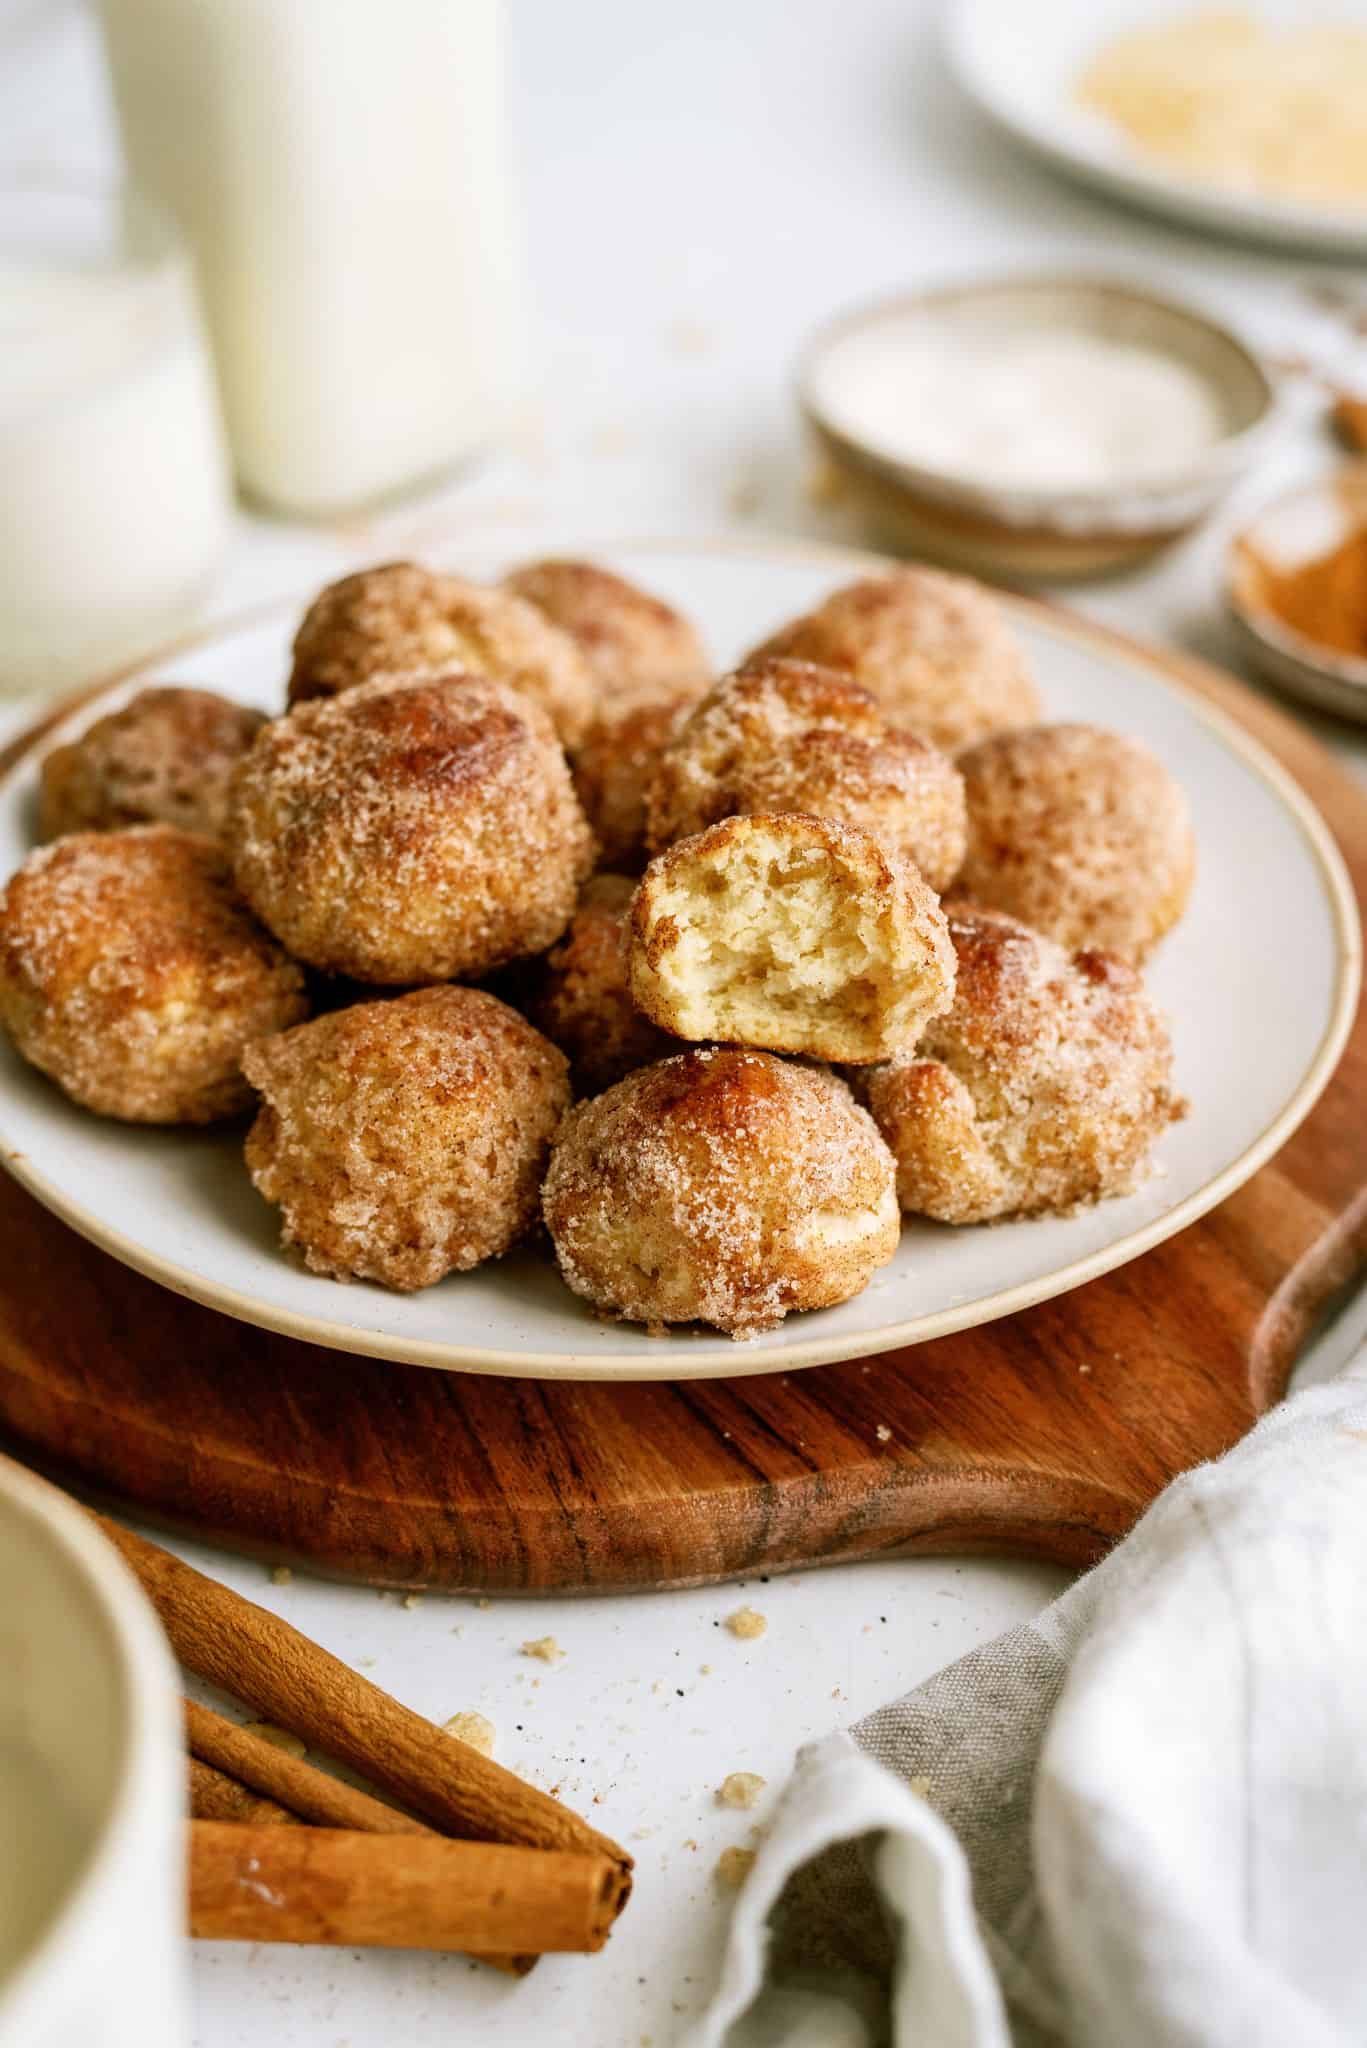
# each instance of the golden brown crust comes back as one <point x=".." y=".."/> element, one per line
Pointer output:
<point x="1042" y="1088"/>
<point x="789" y="736"/>
<point x="635" y="642"/>
<point x="407" y="1139"/>
<point x="411" y="830"/>
<point x="935" y="650"/>
<point x="613" y="768"/>
<point x="131" y="972"/>
<point x="724" y="1187"/>
<point x="1082" y="834"/>
<point x="580" y="998"/>
<point x="789" y="932"/>
<point x="163" y="758"/>
<point x="399" y="617"/>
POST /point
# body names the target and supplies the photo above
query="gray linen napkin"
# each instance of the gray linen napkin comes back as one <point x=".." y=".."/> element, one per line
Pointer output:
<point x="1138" y="1821"/>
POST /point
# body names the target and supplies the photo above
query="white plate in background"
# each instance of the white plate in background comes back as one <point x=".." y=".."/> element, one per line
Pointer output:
<point x="1020" y="64"/>
<point x="1260" y="980"/>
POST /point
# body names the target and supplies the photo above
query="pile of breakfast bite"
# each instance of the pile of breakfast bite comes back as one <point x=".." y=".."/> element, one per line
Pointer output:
<point x="516" y="914"/>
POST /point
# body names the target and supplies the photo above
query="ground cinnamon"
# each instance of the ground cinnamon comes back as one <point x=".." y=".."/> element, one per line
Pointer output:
<point x="1323" y="599"/>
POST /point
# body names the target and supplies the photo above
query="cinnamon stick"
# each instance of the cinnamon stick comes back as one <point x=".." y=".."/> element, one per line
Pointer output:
<point x="214" y="1795"/>
<point x="288" y="1780"/>
<point x="341" y="1888"/>
<point x="252" y="1653"/>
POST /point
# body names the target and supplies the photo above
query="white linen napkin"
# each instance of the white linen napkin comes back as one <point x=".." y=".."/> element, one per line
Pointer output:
<point x="1140" y="1820"/>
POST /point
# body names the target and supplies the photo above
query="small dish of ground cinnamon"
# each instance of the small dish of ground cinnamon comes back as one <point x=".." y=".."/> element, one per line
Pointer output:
<point x="1298" y="591"/>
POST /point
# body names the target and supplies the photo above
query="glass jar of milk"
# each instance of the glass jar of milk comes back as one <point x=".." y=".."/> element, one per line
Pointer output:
<point x="338" y="167"/>
<point x="114" y="486"/>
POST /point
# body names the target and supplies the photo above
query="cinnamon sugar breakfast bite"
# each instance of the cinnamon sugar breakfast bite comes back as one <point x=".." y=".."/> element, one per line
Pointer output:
<point x="1043" y="1087"/>
<point x="132" y="974"/>
<point x="401" y="618"/>
<point x="788" y="736"/>
<point x="413" y="829"/>
<point x="635" y="643"/>
<point x="793" y="933"/>
<point x="936" y="651"/>
<point x="1080" y="833"/>
<point x="725" y="1187"/>
<point x="613" y="769"/>
<point x="405" y="1139"/>
<point x="579" y="994"/>
<point x="164" y="758"/>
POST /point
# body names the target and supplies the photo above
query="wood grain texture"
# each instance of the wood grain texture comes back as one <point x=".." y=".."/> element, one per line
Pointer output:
<point x="1046" y="1435"/>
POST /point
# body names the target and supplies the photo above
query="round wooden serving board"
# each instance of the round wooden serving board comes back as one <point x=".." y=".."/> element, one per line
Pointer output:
<point x="1046" y="1434"/>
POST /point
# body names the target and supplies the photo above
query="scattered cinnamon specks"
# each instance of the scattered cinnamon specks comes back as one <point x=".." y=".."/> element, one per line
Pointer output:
<point x="746" y="1624"/>
<point x="278" y="1738"/>
<point x="475" y="1730"/>
<point x="544" y="1647"/>
<point x="734" y="1866"/>
<point x="741" y="1788"/>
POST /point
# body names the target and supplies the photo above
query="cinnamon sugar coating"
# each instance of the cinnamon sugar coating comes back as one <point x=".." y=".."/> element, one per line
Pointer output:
<point x="789" y="932"/>
<point x="414" y="829"/>
<point x="1082" y="834"/>
<point x="635" y="643"/>
<point x="1044" y="1086"/>
<point x="725" y="1187"/>
<point x="935" y="650"/>
<point x="580" y="997"/>
<point x="399" y="617"/>
<point x="614" y="766"/>
<point x="133" y="975"/>
<point x="789" y="736"/>
<point x="407" y="1139"/>
<point x="164" y="758"/>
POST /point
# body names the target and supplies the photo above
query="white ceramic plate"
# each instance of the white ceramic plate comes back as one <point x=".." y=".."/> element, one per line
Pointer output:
<point x="1019" y="64"/>
<point x="1257" y="1032"/>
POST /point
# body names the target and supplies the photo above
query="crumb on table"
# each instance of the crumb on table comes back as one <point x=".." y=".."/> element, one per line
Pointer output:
<point x="746" y="1624"/>
<point x="475" y="1730"/>
<point x="741" y="1788"/>
<point x="278" y="1738"/>
<point x="281" y="1575"/>
<point x="734" y="1866"/>
<point x="544" y="1647"/>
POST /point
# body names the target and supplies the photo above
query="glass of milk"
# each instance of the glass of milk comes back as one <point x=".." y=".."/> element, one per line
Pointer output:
<point x="114" y="483"/>
<point x="339" y="168"/>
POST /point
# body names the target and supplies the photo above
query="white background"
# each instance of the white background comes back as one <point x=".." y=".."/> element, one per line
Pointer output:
<point x="703" y="184"/>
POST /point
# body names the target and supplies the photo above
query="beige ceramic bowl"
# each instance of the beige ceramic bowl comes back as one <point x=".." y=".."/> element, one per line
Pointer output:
<point x="1008" y="530"/>
<point x="1296" y="527"/>
<point x="92" y="1790"/>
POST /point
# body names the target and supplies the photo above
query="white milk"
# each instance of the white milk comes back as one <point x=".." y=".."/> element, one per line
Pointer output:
<point x="114" y="500"/>
<point x="338" y="168"/>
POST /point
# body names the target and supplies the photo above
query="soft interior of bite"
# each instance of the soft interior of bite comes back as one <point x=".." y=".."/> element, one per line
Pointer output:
<point x="770" y="939"/>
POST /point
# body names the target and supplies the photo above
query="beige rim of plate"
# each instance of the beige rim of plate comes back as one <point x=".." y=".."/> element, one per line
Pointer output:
<point x="753" y="1359"/>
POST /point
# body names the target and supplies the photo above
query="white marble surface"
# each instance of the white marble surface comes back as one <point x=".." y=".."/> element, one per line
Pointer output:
<point x="702" y="186"/>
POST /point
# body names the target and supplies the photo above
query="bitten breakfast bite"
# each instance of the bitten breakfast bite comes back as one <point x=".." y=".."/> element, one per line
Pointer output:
<point x="411" y="830"/>
<point x="402" y="618"/>
<point x="132" y="974"/>
<point x="1044" y="1086"/>
<point x="613" y="769"/>
<point x="579" y="995"/>
<point x="724" y="1187"/>
<point x="789" y="932"/>
<point x="1079" y="832"/>
<point x="634" y="642"/>
<point x="406" y="1139"/>
<point x="788" y="736"/>
<point x="163" y="758"/>
<point x="935" y="650"/>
